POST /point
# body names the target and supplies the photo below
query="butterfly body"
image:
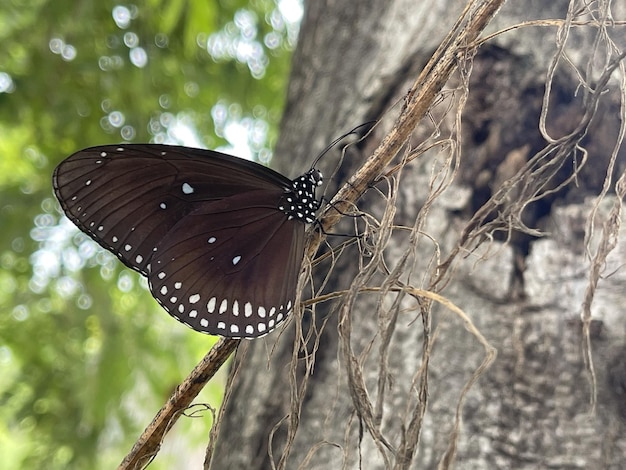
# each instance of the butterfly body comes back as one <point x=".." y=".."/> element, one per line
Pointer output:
<point x="220" y="239"/>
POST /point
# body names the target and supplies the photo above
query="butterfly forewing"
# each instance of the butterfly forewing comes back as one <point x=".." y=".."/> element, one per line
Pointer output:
<point x="128" y="197"/>
<point x="202" y="225"/>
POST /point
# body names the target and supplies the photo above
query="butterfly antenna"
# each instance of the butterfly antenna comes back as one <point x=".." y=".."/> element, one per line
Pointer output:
<point x="339" y="139"/>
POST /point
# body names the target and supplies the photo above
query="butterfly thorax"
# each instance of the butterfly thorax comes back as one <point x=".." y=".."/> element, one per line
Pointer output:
<point x="299" y="202"/>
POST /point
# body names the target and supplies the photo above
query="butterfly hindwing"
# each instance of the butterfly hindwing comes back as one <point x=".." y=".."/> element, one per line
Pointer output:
<point x="240" y="285"/>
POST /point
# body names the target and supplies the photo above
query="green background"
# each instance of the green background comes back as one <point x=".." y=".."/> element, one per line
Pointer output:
<point x="86" y="355"/>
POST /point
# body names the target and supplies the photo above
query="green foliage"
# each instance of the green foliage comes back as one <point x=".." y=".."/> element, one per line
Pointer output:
<point x="86" y="355"/>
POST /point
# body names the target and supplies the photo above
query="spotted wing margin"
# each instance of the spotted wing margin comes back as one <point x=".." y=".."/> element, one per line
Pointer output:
<point x="128" y="197"/>
<point x="230" y="268"/>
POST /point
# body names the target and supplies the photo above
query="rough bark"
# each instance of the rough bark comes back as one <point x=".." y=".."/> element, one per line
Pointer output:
<point x="523" y="291"/>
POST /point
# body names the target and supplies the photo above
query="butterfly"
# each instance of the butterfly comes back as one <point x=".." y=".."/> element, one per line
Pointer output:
<point x="220" y="239"/>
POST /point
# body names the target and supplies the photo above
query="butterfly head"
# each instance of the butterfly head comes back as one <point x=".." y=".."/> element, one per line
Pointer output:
<point x="315" y="177"/>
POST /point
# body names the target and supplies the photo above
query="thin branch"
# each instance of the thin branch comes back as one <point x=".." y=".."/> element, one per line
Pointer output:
<point x="148" y="444"/>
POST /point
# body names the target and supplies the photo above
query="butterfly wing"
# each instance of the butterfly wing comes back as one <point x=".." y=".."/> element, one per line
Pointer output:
<point x="128" y="197"/>
<point x="230" y="267"/>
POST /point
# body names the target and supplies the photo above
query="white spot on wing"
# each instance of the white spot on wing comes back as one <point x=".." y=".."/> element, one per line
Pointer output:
<point x="234" y="329"/>
<point x="249" y="329"/>
<point x="139" y="258"/>
<point x="161" y="275"/>
<point x="163" y="290"/>
<point x="163" y="205"/>
<point x="223" y="306"/>
<point x="235" y="308"/>
<point x="128" y="247"/>
<point x="211" y="305"/>
<point x="261" y="327"/>
<point x="248" y="309"/>
<point x="193" y="313"/>
<point x="187" y="188"/>
<point x="194" y="298"/>
<point x="236" y="259"/>
<point x="212" y="240"/>
<point x="262" y="312"/>
<point x="178" y="285"/>
<point x="204" y="322"/>
<point x="221" y="325"/>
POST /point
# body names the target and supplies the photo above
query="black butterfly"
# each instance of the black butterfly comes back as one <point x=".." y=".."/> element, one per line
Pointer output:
<point x="220" y="239"/>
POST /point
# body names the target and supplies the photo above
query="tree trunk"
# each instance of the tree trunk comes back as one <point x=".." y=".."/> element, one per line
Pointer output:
<point x="486" y="215"/>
